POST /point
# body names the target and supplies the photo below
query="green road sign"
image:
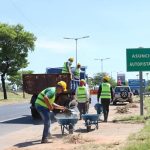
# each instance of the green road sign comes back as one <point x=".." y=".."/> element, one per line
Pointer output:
<point x="138" y="59"/>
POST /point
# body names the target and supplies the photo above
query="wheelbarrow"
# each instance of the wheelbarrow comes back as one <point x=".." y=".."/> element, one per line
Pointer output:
<point x="67" y="121"/>
<point x="90" y="119"/>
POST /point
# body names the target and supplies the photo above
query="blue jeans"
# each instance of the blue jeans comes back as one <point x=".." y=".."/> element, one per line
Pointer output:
<point x="74" y="84"/>
<point x="45" y="115"/>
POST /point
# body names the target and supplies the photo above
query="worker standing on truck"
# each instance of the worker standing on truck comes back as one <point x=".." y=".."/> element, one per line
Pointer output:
<point x="82" y="96"/>
<point x="67" y="66"/>
<point x="45" y="103"/>
<point x="76" y="75"/>
<point x="105" y="93"/>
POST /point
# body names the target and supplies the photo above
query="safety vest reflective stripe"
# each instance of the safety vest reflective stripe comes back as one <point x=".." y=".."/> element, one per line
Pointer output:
<point x="64" y="69"/>
<point x="81" y="94"/>
<point x="40" y="99"/>
<point x="105" y="93"/>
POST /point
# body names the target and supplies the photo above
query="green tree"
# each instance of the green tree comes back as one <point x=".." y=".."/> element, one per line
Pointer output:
<point x="15" y="43"/>
<point x="113" y="82"/>
<point x="97" y="79"/>
<point x="17" y="79"/>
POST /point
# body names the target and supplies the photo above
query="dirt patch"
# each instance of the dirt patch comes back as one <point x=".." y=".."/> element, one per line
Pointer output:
<point x="77" y="139"/>
<point x="108" y="136"/>
<point x="122" y="109"/>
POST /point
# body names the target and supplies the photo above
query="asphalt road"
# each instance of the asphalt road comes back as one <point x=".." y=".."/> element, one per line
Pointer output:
<point x="15" y="117"/>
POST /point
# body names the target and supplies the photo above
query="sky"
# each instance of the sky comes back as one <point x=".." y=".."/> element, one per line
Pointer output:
<point x="112" y="26"/>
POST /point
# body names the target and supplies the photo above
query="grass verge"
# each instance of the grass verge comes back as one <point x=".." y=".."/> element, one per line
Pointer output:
<point x="14" y="98"/>
<point x="141" y="140"/>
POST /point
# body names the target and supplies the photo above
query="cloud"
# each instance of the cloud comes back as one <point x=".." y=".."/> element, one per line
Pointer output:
<point x="54" y="46"/>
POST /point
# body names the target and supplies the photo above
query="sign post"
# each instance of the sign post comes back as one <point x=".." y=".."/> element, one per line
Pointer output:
<point x="138" y="59"/>
<point x="141" y="92"/>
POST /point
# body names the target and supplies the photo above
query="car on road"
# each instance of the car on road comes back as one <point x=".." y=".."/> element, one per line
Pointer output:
<point x="122" y="94"/>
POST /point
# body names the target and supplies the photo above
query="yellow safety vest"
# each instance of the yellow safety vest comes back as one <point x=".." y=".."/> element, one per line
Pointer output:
<point x="105" y="93"/>
<point x="81" y="94"/>
<point x="65" y="69"/>
<point x="40" y="98"/>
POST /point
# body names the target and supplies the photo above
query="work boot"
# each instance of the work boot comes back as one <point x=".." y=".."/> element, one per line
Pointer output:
<point x="44" y="140"/>
<point x="49" y="135"/>
<point x="105" y="119"/>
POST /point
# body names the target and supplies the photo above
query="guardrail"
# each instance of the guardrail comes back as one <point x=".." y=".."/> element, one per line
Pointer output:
<point x="146" y="93"/>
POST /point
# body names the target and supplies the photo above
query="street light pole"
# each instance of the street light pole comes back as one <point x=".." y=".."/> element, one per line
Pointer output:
<point x="147" y="75"/>
<point x="101" y="59"/>
<point x="76" y="41"/>
<point x="76" y="51"/>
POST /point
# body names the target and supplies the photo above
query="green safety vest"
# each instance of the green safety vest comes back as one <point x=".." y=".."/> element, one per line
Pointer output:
<point x="40" y="98"/>
<point x="65" y="69"/>
<point x="105" y="93"/>
<point x="81" y="94"/>
<point x="77" y="72"/>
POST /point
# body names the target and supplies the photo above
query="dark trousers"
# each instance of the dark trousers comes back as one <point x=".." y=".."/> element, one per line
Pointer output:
<point x="83" y="108"/>
<point x="46" y="117"/>
<point x="105" y="103"/>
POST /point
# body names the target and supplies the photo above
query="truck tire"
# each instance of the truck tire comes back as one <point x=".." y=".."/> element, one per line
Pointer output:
<point x="34" y="112"/>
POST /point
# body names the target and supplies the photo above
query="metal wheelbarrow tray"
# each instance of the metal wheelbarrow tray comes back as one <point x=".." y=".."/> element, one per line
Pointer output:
<point x="90" y="119"/>
<point x="67" y="123"/>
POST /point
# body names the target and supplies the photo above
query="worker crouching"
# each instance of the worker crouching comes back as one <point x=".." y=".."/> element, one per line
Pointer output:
<point x="45" y="103"/>
<point x="82" y="97"/>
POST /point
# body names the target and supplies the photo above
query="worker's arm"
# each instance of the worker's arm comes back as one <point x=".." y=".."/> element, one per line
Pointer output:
<point x="87" y="94"/>
<point x="56" y="106"/>
<point x="99" y="93"/>
<point x="112" y="94"/>
<point x="76" y="93"/>
<point x="69" y="69"/>
<point x="50" y="107"/>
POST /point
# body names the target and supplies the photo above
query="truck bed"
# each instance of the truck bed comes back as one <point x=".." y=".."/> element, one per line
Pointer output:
<point x="35" y="83"/>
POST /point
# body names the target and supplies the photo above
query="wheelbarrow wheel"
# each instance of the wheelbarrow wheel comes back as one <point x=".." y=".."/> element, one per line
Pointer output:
<point x="62" y="129"/>
<point x="97" y="126"/>
<point x="70" y="128"/>
<point x="88" y="128"/>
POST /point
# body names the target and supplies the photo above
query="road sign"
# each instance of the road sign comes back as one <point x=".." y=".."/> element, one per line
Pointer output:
<point x="136" y="83"/>
<point x="138" y="59"/>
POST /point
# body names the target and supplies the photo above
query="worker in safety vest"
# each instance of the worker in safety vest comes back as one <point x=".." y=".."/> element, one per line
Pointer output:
<point x="67" y="66"/>
<point x="76" y="75"/>
<point x="77" y="72"/>
<point x="82" y="96"/>
<point x="105" y="93"/>
<point x="45" y="103"/>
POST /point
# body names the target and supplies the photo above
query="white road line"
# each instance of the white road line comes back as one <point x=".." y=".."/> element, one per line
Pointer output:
<point x="2" y="121"/>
